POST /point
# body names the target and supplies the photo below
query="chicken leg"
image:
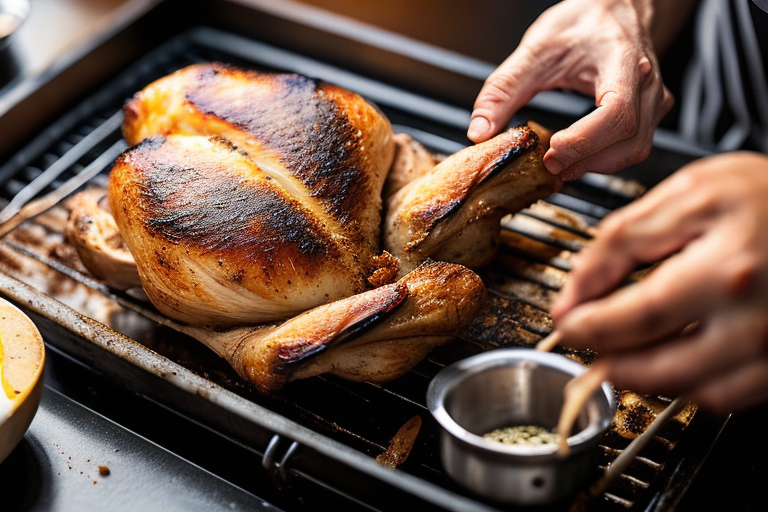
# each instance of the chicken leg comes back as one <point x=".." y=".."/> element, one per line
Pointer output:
<point x="373" y="336"/>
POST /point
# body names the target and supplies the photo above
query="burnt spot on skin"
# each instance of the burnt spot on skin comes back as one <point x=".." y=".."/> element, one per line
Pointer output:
<point x="148" y="144"/>
<point x="525" y="139"/>
<point x="208" y="208"/>
<point x="429" y="213"/>
<point x="358" y="319"/>
<point x="162" y="261"/>
<point x="390" y="298"/>
<point x="238" y="276"/>
<point x="292" y="113"/>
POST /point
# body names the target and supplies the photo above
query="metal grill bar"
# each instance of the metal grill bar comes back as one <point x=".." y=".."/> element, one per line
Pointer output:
<point x="64" y="163"/>
<point x="34" y="208"/>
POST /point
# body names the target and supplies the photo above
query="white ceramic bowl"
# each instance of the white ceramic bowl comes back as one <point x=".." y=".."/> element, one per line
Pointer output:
<point x="13" y="13"/>
<point x="22" y="360"/>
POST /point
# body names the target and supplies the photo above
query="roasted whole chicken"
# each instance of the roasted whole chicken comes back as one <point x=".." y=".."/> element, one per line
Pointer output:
<point x="280" y="221"/>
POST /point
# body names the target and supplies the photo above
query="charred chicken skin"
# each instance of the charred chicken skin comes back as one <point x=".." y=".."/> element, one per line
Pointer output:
<point x="253" y="206"/>
<point x="452" y="213"/>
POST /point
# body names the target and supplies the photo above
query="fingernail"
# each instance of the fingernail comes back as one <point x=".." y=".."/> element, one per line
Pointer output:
<point x="478" y="127"/>
<point x="553" y="165"/>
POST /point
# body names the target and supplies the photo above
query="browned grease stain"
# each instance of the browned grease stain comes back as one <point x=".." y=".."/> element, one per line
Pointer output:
<point x="400" y="447"/>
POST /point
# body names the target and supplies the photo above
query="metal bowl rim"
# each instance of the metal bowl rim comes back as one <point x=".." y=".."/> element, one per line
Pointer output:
<point x="453" y="375"/>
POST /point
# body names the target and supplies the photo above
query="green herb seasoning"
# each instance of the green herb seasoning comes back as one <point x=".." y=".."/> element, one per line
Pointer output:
<point x="522" y="434"/>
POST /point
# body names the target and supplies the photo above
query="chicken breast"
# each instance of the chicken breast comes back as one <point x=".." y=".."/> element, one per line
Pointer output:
<point x="218" y="242"/>
<point x="250" y="197"/>
<point x="323" y="143"/>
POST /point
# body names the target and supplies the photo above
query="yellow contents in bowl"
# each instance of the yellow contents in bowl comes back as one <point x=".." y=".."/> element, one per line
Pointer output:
<point x="530" y="435"/>
<point x="8" y="393"/>
<point x="22" y="356"/>
<point x="22" y="362"/>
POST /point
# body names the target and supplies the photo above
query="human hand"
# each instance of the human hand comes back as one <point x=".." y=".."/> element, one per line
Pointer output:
<point x="709" y="221"/>
<point x="599" y="48"/>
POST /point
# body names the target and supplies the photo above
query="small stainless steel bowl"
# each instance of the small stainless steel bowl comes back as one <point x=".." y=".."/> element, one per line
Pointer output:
<point x="507" y="387"/>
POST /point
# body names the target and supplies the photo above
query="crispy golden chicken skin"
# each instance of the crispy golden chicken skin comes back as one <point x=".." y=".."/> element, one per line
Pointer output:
<point x="253" y="196"/>
<point x="326" y="145"/>
<point x="218" y="242"/>
<point x="452" y="213"/>
<point x="252" y="204"/>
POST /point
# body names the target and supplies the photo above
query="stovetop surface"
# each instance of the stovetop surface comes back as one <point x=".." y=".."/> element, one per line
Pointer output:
<point x="85" y="422"/>
<point x="76" y="458"/>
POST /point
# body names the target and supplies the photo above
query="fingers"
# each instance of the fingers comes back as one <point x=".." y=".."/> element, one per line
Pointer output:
<point x="701" y="200"/>
<point x="620" y="131"/>
<point x="657" y="225"/>
<point x="617" y="134"/>
<point x="707" y="367"/>
<point x="545" y="59"/>
<point x="592" y="276"/>
<point x="653" y="309"/>
<point x="606" y="160"/>
<point x="736" y="390"/>
<point x="631" y="101"/>
<point x="706" y="224"/>
<point x="700" y="282"/>
<point x="513" y="84"/>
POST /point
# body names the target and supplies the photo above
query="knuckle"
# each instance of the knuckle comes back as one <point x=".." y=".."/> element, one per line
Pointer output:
<point x="572" y="148"/>
<point x="532" y="50"/>
<point x="690" y="179"/>
<point x="667" y="101"/>
<point x="622" y="116"/>
<point x="645" y="68"/>
<point x="644" y="151"/>
<point x="624" y="122"/>
<point x="496" y="90"/>
<point x="648" y="73"/>
<point x="741" y="277"/>
<point x="612" y="229"/>
<point x="641" y="150"/>
<point x="582" y="146"/>
<point x="499" y="84"/>
<point x="505" y="79"/>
